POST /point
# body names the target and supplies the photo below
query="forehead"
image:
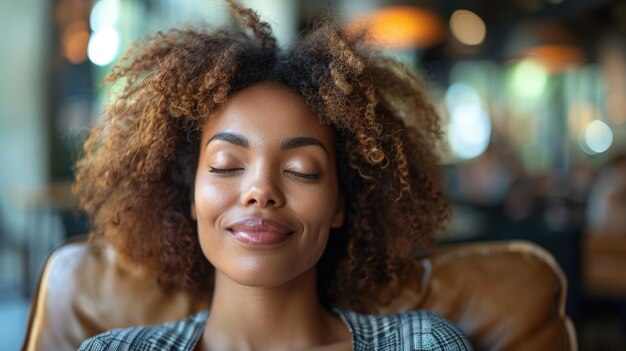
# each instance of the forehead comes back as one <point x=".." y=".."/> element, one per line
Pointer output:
<point x="267" y="112"/>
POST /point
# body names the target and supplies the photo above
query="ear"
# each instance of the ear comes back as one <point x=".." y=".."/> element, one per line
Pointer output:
<point x="340" y="213"/>
<point x="194" y="215"/>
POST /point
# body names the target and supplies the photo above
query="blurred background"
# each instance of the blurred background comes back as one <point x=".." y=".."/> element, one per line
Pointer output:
<point x="532" y="92"/>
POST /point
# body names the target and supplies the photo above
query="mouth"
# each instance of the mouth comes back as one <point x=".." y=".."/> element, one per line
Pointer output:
<point x="260" y="231"/>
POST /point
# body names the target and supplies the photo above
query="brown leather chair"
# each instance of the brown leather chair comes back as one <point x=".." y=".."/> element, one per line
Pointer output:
<point x="503" y="296"/>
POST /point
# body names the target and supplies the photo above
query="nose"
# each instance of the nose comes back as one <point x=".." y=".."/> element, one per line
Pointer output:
<point x="262" y="190"/>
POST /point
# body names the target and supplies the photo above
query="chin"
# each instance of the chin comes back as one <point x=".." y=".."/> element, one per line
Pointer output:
<point x="264" y="273"/>
<point x="261" y="278"/>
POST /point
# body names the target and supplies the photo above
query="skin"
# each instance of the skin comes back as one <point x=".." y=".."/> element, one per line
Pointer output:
<point x="265" y="156"/>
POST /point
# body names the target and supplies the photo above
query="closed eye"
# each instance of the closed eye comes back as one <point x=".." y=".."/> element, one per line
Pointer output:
<point x="309" y="176"/>
<point x="224" y="170"/>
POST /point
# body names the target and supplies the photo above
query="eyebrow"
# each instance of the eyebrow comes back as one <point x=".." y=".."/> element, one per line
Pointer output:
<point x="297" y="142"/>
<point x="233" y="138"/>
<point x="289" y="144"/>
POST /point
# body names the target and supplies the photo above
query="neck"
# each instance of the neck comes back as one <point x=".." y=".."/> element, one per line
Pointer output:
<point x="288" y="317"/>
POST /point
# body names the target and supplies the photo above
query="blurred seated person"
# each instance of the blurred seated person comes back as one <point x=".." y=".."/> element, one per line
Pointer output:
<point x="604" y="245"/>
<point x="606" y="211"/>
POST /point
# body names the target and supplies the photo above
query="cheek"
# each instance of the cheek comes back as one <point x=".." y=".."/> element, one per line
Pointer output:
<point x="318" y="204"/>
<point x="210" y="201"/>
<point x="210" y="198"/>
<point x="316" y="210"/>
<point x="318" y="248"/>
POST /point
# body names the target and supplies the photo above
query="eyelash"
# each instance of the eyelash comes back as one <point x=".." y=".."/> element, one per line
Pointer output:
<point x="315" y="176"/>
<point x="224" y="170"/>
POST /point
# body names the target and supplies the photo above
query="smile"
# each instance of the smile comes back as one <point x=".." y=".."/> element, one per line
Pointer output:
<point x="259" y="231"/>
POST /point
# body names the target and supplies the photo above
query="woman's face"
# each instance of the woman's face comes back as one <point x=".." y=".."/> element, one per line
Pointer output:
<point x="266" y="191"/>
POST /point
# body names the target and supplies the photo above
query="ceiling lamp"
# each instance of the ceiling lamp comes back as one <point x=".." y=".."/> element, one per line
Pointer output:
<point x="400" y="28"/>
<point x="546" y="41"/>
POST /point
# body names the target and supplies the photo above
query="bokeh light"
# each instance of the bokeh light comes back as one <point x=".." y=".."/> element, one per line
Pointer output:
<point x="528" y="80"/>
<point x="596" y="137"/>
<point x="469" y="130"/>
<point x="74" y="41"/>
<point x="104" y="15"/>
<point x="467" y="27"/>
<point x="103" y="46"/>
<point x="400" y="28"/>
<point x="461" y="94"/>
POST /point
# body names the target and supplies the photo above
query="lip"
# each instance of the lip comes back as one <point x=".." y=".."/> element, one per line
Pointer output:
<point x="260" y="231"/>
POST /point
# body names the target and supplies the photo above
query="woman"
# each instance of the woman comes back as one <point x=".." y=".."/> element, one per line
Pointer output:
<point x="290" y="189"/>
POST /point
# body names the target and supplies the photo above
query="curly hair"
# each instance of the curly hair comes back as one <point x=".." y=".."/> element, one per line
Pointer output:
<point x="136" y="177"/>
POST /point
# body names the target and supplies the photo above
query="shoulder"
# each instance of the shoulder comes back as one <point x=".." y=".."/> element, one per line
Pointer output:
<point x="414" y="330"/>
<point x="180" y="335"/>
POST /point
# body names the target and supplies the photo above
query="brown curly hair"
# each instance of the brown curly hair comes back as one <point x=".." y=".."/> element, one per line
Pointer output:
<point x="136" y="177"/>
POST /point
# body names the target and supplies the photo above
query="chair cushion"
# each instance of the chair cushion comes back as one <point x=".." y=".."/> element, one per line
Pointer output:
<point x="83" y="292"/>
<point x="503" y="296"/>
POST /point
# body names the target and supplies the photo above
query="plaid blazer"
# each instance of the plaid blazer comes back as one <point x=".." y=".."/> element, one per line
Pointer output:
<point x="410" y="331"/>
